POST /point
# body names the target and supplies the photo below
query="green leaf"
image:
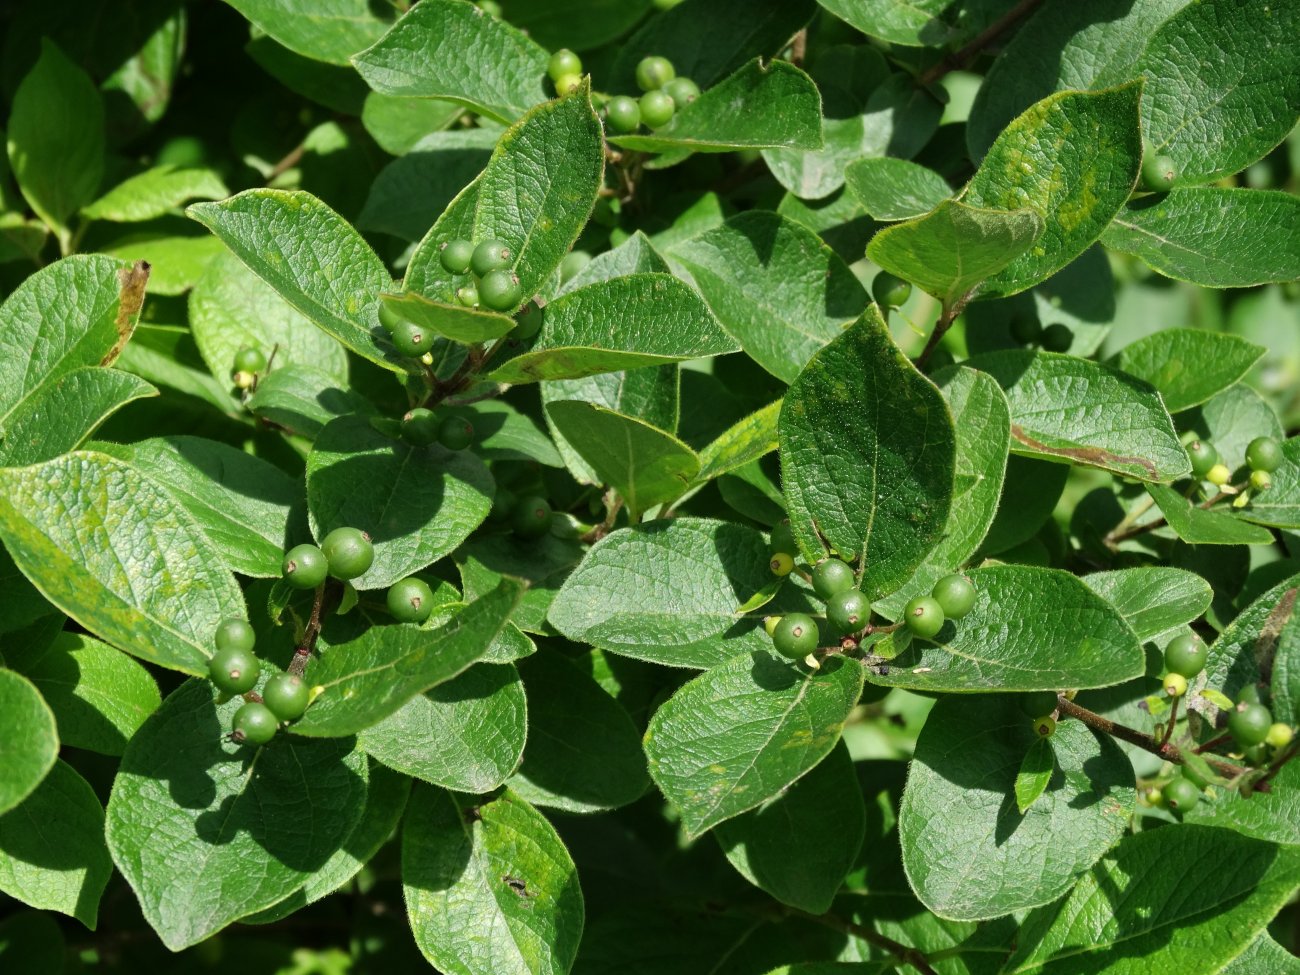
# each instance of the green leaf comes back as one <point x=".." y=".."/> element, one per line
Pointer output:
<point x="367" y="676"/>
<point x="970" y="853"/>
<point x="331" y="31"/>
<point x="1189" y="365"/>
<point x="241" y="502"/>
<point x="871" y="474"/>
<point x="87" y="529"/>
<point x="775" y="287"/>
<point x="29" y="740"/>
<point x="895" y="189"/>
<point x="76" y="312"/>
<point x="52" y="853"/>
<point x="636" y="255"/>
<point x="1213" y="236"/>
<point x="313" y="258"/>
<point x="646" y="466"/>
<point x="1233" y="419"/>
<point x="1273" y="816"/>
<point x="742" y="443"/>
<point x="334" y="86"/>
<point x="1031" y="630"/>
<point x="386" y="795"/>
<point x="62" y="414"/>
<point x="1201" y="526"/>
<point x="1263" y="956"/>
<point x="155" y="193"/>
<point x="702" y="570"/>
<point x="467" y="734"/>
<point x="629" y="322"/>
<point x="1074" y="158"/>
<point x="501" y="432"/>
<point x="190" y="811"/>
<point x="981" y="423"/>
<point x="455" y="322"/>
<point x="303" y="400"/>
<point x="178" y="259"/>
<point x="99" y="696"/>
<point x="490" y="888"/>
<point x="441" y="50"/>
<point x="952" y="250"/>
<point x="1246" y="647"/>
<point x="800" y="845"/>
<point x="416" y="503"/>
<point x="1030" y="492"/>
<point x="1153" y="599"/>
<point x="740" y="733"/>
<point x="397" y="123"/>
<point x="916" y="23"/>
<point x="231" y="308"/>
<point x="1135" y="912"/>
<point x="582" y="25"/>
<point x="1222" y="81"/>
<point x="1279" y="506"/>
<point x="1069" y="409"/>
<point x="56" y="138"/>
<point x="583" y="753"/>
<point x="759" y="107"/>
<point x="1035" y="773"/>
<point x="543" y="562"/>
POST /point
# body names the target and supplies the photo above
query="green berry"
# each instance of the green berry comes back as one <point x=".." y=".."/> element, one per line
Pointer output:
<point x="1045" y="726"/>
<point x="243" y="380"/>
<point x="1249" y="724"/>
<point x="1203" y="456"/>
<point x="412" y="340"/>
<point x="682" y="91"/>
<point x="410" y="600"/>
<point x="467" y="295"/>
<point x="1218" y="475"/>
<point x="1279" y="734"/>
<point x="531" y="517"/>
<point x="654" y="72"/>
<point x="568" y="83"/>
<point x="254" y="723"/>
<point x="305" y="567"/>
<point x="1256" y="754"/>
<point x="1261" y="480"/>
<point x="234" y="670"/>
<point x="252" y="360"/>
<point x="1158" y="172"/>
<point x="455" y="255"/>
<point x="1194" y="777"/>
<point x="1249" y="694"/>
<point x="955" y="595"/>
<point x="388" y="318"/>
<point x="287" y="696"/>
<point x="235" y="633"/>
<point x="1025" y="330"/>
<point x="455" y="433"/>
<point x="573" y="262"/>
<point x="782" y="564"/>
<point x="490" y="255"/>
<point x="783" y="539"/>
<point x="499" y="290"/>
<point x="349" y="552"/>
<point x="923" y="616"/>
<point x="1181" y="794"/>
<point x="420" y="427"/>
<point x="623" y="114"/>
<point x="770" y="624"/>
<point x="656" y="109"/>
<point x="889" y="290"/>
<point x="1175" y="685"/>
<point x="1185" y="655"/>
<point x="1264" y="454"/>
<point x="529" y="321"/>
<point x="831" y="576"/>
<point x="1038" y="703"/>
<point x="848" y="611"/>
<point x="503" y="503"/>
<point x="796" y="636"/>
<point x="563" y="62"/>
<point x="1057" y="338"/>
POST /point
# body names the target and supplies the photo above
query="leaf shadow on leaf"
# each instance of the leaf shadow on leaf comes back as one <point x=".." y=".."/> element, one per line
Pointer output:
<point x="61" y="669"/>
<point x="397" y="521"/>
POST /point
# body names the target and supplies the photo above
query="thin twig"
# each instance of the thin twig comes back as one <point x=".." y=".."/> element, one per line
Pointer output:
<point x="1212" y="744"/>
<point x="1173" y="720"/>
<point x="905" y="955"/>
<point x="799" y="48"/>
<point x="307" y="646"/>
<point x="949" y="315"/>
<point x="1276" y="767"/>
<point x="963" y="56"/>
<point x="1115" y="536"/>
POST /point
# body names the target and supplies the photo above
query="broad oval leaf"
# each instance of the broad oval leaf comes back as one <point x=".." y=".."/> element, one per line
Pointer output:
<point x="1074" y="158"/>
<point x="190" y="811"/>
<point x="916" y="23"/>
<point x="467" y="734"/>
<point x="1245" y="648"/>
<point x="779" y="291"/>
<point x="417" y="505"/>
<point x="895" y="189"/>
<point x="52" y="853"/>
<point x="1075" y="411"/>
<point x="1154" y="599"/>
<point x="742" y="443"/>
<point x="1205" y="526"/>
<point x="87" y="529"/>
<point x="738" y="734"/>
<point x="490" y="888"/>
<point x="1031" y="630"/>
<point x="303" y="400"/>
<point x="970" y="853"/>
<point x="455" y="322"/>
<point x="867" y="456"/>
<point x="329" y="31"/>
<point x="155" y="193"/>
<point x="1189" y="366"/>
<point x="1273" y="816"/>
<point x="29" y="739"/>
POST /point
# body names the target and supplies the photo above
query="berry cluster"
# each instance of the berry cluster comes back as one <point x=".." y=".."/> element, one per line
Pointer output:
<point x="1056" y="337"/>
<point x="248" y="364"/>
<point x="422" y="427"/>
<point x="529" y="516"/>
<point x="848" y="611"/>
<point x="1263" y="456"/>
<point x="489" y="262"/>
<point x="664" y="91"/>
<point x="234" y="669"/>
<point x="345" y="553"/>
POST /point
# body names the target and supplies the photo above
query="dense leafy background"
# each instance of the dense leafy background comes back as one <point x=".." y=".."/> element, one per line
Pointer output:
<point x="589" y="759"/>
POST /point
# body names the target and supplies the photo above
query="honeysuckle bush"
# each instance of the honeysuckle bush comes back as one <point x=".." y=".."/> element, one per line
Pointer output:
<point x="746" y="487"/>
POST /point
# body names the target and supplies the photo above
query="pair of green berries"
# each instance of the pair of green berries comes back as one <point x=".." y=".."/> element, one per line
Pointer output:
<point x="344" y="553"/>
<point x="497" y="286"/>
<point x="1264" y="455"/>
<point x="1041" y="706"/>
<point x="422" y="427"/>
<point x="234" y="669"/>
<point x="1056" y="337"/>
<point x="529" y="515"/>
<point x="248" y="363"/>
<point x="951" y="598"/>
<point x="665" y="95"/>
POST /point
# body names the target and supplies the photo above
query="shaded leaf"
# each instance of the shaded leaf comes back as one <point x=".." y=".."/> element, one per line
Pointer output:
<point x="1189" y="365"/>
<point x="29" y="740"/>
<point x="895" y="189"/>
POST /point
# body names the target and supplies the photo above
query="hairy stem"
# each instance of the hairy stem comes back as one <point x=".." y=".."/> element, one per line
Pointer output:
<point x="949" y="315"/>
<point x="965" y="55"/>
<point x="1126" y="529"/>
